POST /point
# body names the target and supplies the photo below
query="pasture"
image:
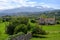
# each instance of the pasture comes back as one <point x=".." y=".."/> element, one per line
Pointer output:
<point x="53" y="30"/>
<point x="3" y="36"/>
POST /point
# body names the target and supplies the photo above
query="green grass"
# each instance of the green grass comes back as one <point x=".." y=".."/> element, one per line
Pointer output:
<point x="51" y="27"/>
<point x="3" y="36"/>
<point x="49" y="37"/>
<point x="54" y="32"/>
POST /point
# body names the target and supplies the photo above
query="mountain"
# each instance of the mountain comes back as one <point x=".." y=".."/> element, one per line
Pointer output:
<point x="23" y="9"/>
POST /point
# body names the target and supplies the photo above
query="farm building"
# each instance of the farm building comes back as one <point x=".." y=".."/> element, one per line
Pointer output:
<point x="46" y="21"/>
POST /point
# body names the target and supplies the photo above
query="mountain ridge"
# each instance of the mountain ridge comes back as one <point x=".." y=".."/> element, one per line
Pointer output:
<point x="23" y="9"/>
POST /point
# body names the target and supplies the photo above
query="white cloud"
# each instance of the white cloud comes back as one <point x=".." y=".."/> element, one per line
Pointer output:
<point x="45" y="5"/>
<point x="9" y="4"/>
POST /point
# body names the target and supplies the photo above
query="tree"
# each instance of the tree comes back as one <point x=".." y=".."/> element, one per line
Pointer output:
<point x="38" y="30"/>
<point x="28" y="27"/>
<point x="18" y="24"/>
<point x="10" y="29"/>
<point x="33" y="21"/>
<point x="43" y="16"/>
<point x="20" y="28"/>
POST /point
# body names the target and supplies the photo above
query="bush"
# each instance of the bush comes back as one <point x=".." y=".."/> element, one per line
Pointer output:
<point x="58" y="22"/>
<point x="33" y="21"/>
<point x="28" y="27"/>
<point x="17" y="25"/>
<point x="23" y="25"/>
<point x="20" y="28"/>
<point x="10" y="29"/>
<point x="23" y="20"/>
<point x="37" y="30"/>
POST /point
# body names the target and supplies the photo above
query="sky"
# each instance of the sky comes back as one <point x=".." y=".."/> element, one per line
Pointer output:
<point x="10" y="4"/>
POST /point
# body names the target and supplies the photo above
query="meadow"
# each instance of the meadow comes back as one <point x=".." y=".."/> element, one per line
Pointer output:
<point x="53" y="30"/>
<point x="3" y="35"/>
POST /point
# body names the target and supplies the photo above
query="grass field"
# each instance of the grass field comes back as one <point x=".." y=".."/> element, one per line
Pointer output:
<point x="3" y="36"/>
<point x="49" y="37"/>
<point x="54" y="32"/>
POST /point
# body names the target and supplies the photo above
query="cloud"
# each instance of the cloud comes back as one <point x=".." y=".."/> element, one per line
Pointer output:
<point x="9" y="4"/>
<point x="45" y="5"/>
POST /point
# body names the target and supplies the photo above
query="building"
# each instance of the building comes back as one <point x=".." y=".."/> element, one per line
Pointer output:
<point x="48" y="21"/>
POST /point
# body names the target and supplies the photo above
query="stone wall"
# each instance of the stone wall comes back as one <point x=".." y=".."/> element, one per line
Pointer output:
<point x="23" y="37"/>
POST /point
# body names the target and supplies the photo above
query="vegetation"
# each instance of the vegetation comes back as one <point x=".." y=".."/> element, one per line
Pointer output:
<point x="3" y="35"/>
<point x="14" y="25"/>
<point x="53" y="30"/>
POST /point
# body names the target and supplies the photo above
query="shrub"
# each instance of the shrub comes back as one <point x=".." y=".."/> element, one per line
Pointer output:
<point x="28" y="27"/>
<point x="20" y="28"/>
<point x="10" y="29"/>
<point x="38" y="30"/>
<point x="18" y="24"/>
<point x="58" y="22"/>
<point x="33" y="21"/>
<point x="24" y="20"/>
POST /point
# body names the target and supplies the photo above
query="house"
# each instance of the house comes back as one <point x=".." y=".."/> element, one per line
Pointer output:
<point x="41" y="21"/>
<point x="48" y="21"/>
